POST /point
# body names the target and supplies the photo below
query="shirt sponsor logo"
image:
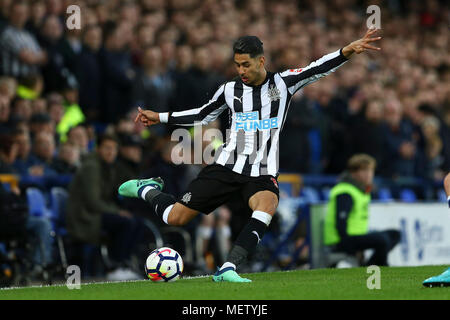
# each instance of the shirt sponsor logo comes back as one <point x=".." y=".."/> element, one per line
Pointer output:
<point x="248" y="121"/>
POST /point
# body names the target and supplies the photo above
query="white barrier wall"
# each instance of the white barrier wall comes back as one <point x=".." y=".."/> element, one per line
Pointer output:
<point x="425" y="231"/>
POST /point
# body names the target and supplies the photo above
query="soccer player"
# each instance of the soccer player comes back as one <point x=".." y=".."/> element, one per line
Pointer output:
<point x="247" y="164"/>
<point x="444" y="278"/>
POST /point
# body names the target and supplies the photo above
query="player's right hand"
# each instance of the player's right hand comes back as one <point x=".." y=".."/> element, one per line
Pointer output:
<point x="147" y="117"/>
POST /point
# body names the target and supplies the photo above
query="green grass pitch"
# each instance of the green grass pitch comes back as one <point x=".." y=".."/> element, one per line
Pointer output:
<point x="398" y="283"/>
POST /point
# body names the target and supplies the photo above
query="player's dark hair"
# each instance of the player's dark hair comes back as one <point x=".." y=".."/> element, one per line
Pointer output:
<point x="248" y="45"/>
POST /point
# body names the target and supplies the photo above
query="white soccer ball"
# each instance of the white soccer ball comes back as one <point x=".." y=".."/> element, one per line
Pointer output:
<point x="164" y="264"/>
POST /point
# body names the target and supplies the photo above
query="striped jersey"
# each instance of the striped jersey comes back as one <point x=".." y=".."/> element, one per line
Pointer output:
<point x="257" y="116"/>
<point x="12" y="42"/>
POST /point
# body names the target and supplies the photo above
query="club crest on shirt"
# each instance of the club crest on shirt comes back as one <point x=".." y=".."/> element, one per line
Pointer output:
<point x="187" y="197"/>
<point x="273" y="93"/>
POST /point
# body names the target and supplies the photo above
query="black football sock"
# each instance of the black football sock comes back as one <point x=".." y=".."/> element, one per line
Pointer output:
<point x="248" y="239"/>
<point x="160" y="202"/>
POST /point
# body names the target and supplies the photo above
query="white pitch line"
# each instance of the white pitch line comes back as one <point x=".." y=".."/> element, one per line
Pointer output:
<point x="94" y="282"/>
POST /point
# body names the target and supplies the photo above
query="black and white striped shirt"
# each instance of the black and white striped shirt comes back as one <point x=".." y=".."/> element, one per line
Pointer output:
<point x="12" y="42"/>
<point x="257" y="115"/>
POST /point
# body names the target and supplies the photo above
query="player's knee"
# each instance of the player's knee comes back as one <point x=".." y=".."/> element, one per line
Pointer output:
<point x="178" y="216"/>
<point x="269" y="206"/>
<point x="175" y="219"/>
<point x="266" y="202"/>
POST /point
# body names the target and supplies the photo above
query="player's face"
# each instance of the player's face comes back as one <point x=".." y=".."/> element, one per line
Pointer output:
<point x="250" y="70"/>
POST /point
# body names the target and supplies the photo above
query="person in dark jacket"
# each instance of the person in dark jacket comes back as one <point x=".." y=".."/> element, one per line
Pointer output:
<point x="118" y="71"/>
<point x="89" y="73"/>
<point x="92" y="209"/>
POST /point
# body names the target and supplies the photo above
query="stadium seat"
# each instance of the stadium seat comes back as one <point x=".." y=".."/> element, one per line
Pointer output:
<point x="58" y="200"/>
<point x="310" y="194"/>
<point x="441" y="195"/>
<point x="325" y="191"/>
<point x="407" y="195"/>
<point x="37" y="203"/>
<point x="384" y="195"/>
<point x="285" y="188"/>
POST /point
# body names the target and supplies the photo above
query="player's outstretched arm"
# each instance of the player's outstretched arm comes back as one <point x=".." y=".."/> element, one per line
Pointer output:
<point x="203" y="115"/>
<point x="362" y="44"/>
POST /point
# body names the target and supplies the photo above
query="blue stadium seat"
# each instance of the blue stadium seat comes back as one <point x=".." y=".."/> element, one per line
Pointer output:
<point x="408" y="195"/>
<point x="325" y="191"/>
<point x="310" y="194"/>
<point x="285" y="187"/>
<point x="37" y="203"/>
<point x="441" y="195"/>
<point x="384" y="195"/>
<point x="58" y="201"/>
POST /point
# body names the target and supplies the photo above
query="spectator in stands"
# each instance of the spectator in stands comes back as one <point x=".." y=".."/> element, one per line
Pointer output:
<point x="129" y="160"/>
<point x="347" y="219"/>
<point x="4" y="9"/>
<point x="92" y="208"/>
<point x="180" y="76"/>
<point x="55" y="71"/>
<point x="78" y="136"/>
<point x="21" y="54"/>
<point x="55" y="108"/>
<point x="303" y="118"/>
<point x="73" y="115"/>
<point x="401" y="148"/>
<point x="44" y="152"/>
<point x="24" y="163"/>
<point x="68" y="159"/>
<point x="4" y="111"/>
<point x="433" y="148"/>
<point x="368" y="133"/>
<point x="21" y="108"/>
<point x="118" y="72"/>
<point x="8" y="152"/>
<point x="152" y="86"/>
<point x="30" y="87"/>
<point x="37" y="14"/>
<point x="38" y="228"/>
<point x="201" y="81"/>
<point x="39" y="105"/>
<point x="40" y="123"/>
<point x="89" y="72"/>
<point x="8" y="87"/>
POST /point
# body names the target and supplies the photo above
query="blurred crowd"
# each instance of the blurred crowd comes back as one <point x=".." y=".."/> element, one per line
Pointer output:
<point x="60" y="89"/>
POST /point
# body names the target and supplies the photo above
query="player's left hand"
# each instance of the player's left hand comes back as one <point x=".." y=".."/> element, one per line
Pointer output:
<point x="147" y="117"/>
<point x="362" y="44"/>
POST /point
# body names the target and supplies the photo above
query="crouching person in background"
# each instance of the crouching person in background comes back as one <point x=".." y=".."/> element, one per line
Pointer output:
<point x="347" y="218"/>
<point x="94" y="214"/>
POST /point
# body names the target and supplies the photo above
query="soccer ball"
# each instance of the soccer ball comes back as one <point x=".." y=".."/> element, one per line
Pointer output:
<point x="164" y="264"/>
